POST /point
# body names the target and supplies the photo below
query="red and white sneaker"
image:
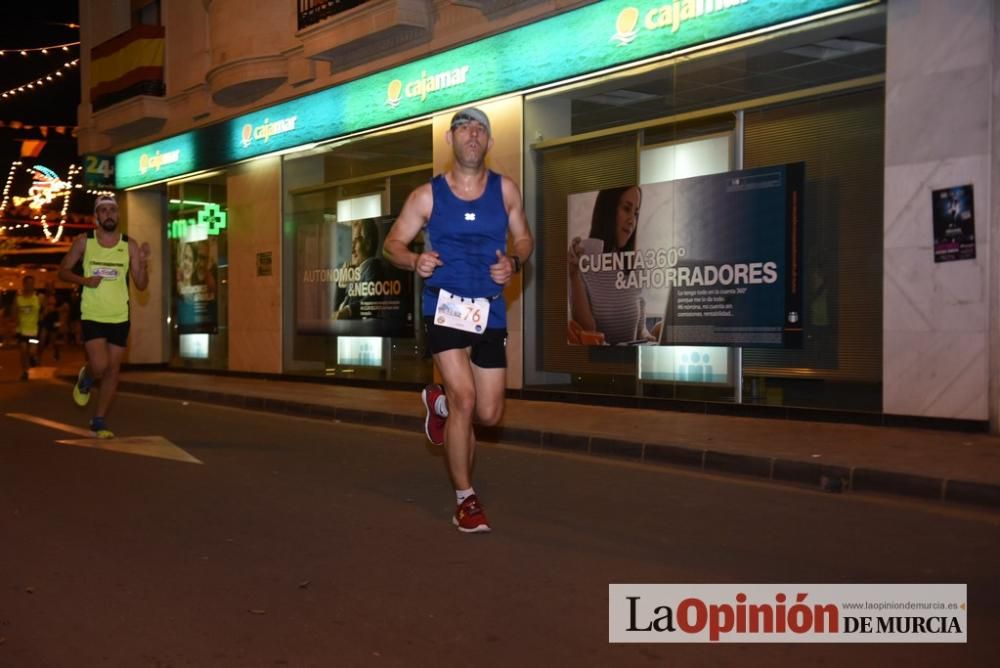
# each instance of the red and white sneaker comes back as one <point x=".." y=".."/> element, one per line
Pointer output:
<point x="433" y="423"/>
<point x="469" y="517"/>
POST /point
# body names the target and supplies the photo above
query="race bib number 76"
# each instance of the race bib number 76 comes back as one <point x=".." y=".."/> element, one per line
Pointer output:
<point x="464" y="313"/>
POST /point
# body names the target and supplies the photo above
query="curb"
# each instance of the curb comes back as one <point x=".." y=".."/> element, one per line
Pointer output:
<point x="826" y="477"/>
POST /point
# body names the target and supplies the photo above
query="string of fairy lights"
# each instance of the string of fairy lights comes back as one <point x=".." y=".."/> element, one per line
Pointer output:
<point x="46" y="186"/>
<point x="6" y="186"/>
<point x="39" y="82"/>
<point x="44" y="50"/>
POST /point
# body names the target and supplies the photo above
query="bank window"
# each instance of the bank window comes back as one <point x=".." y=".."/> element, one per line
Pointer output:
<point x="197" y="232"/>
<point x="349" y="312"/>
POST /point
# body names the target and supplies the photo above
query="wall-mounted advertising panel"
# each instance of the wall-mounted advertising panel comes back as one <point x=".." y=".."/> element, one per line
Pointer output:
<point x="706" y="261"/>
<point x="578" y="42"/>
<point x="194" y="231"/>
<point x="344" y="287"/>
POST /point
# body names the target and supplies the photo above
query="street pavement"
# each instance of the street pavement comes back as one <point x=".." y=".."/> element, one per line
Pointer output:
<point x="316" y="542"/>
<point x="949" y="466"/>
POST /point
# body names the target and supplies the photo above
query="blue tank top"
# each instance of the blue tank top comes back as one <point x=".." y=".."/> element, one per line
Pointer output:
<point x="467" y="236"/>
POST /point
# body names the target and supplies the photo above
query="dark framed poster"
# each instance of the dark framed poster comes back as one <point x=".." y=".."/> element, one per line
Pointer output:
<point x="343" y="285"/>
<point x="706" y="261"/>
<point x="954" y="224"/>
<point x="196" y="278"/>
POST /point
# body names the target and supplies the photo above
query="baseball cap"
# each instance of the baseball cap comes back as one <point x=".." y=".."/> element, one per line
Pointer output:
<point x="470" y="114"/>
<point x="104" y="199"/>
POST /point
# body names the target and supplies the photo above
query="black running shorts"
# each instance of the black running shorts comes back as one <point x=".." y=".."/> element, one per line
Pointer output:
<point x="116" y="333"/>
<point x="489" y="349"/>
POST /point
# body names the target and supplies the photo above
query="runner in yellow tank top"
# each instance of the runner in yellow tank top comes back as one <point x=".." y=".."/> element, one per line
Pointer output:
<point x="29" y="311"/>
<point x="110" y="259"/>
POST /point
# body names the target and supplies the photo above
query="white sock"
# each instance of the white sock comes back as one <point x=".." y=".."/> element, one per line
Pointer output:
<point x="463" y="494"/>
<point x="441" y="406"/>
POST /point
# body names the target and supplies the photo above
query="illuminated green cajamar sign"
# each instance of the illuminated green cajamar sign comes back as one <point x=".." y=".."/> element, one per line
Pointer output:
<point x="589" y="39"/>
<point x="210" y="221"/>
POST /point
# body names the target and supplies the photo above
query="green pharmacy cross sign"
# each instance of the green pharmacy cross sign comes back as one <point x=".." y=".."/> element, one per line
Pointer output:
<point x="210" y="221"/>
<point x="589" y="39"/>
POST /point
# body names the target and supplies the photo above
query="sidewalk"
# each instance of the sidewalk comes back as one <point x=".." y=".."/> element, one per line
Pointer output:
<point x="944" y="466"/>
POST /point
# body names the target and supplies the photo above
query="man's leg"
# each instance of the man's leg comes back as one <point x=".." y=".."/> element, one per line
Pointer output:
<point x="459" y="376"/>
<point x="459" y="383"/>
<point x="24" y="346"/>
<point x="93" y="369"/>
<point x="43" y="342"/>
<point x="54" y="342"/>
<point x="97" y="358"/>
<point x="108" y="377"/>
<point x="491" y="385"/>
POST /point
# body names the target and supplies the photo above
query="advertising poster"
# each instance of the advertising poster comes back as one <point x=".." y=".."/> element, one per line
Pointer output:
<point x="196" y="276"/>
<point x="706" y="261"/>
<point x="344" y="286"/>
<point x="954" y="224"/>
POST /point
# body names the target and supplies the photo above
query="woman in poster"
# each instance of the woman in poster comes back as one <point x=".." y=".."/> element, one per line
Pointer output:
<point x="597" y="304"/>
<point x="196" y="286"/>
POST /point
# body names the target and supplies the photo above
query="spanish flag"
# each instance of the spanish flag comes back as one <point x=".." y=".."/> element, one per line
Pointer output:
<point x="127" y="61"/>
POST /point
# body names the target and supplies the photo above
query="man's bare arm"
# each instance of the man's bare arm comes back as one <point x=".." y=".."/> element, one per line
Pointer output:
<point x="411" y="220"/>
<point x="522" y="243"/>
<point x="70" y="260"/>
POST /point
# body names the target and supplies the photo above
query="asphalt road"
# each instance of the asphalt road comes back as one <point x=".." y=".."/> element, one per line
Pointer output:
<point x="299" y="542"/>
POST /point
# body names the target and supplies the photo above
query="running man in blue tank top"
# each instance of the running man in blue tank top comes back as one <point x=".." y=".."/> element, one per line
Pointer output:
<point x="466" y="214"/>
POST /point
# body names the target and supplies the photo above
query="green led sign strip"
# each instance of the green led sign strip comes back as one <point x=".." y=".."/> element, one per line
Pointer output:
<point x="588" y="39"/>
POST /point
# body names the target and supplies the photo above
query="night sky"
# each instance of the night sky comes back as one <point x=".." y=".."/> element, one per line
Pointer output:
<point x="33" y="24"/>
<point x="36" y="24"/>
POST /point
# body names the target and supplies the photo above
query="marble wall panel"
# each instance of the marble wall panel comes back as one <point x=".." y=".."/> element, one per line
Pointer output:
<point x="936" y="316"/>
<point x="254" y="194"/>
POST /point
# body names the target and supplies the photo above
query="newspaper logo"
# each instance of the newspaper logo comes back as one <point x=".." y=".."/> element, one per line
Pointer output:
<point x="787" y="613"/>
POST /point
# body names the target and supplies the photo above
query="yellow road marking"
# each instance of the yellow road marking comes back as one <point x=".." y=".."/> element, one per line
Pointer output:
<point x="147" y="446"/>
<point x="51" y="424"/>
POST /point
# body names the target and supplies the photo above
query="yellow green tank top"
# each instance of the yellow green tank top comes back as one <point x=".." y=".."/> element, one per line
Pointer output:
<point x="28" y="310"/>
<point x="108" y="302"/>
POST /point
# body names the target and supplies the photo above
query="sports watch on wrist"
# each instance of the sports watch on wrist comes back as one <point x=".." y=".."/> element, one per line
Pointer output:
<point x="517" y="264"/>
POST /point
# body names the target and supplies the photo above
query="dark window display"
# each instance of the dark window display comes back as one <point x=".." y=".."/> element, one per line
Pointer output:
<point x="799" y="97"/>
<point x="197" y="233"/>
<point x="348" y="312"/>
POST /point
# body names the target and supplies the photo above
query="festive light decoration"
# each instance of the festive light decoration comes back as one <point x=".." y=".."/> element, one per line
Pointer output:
<point x="6" y="186"/>
<point x="41" y="49"/>
<point x="41" y="81"/>
<point x="73" y="171"/>
<point x="46" y="186"/>
<point x="19" y="226"/>
<point x="44" y="129"/>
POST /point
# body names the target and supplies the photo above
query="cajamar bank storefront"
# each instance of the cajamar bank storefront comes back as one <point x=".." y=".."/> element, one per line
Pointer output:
<point x="746" y="136"/>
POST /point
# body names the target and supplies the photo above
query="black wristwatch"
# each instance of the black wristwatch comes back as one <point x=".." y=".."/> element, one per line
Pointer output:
<point x="517" y="264"/>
